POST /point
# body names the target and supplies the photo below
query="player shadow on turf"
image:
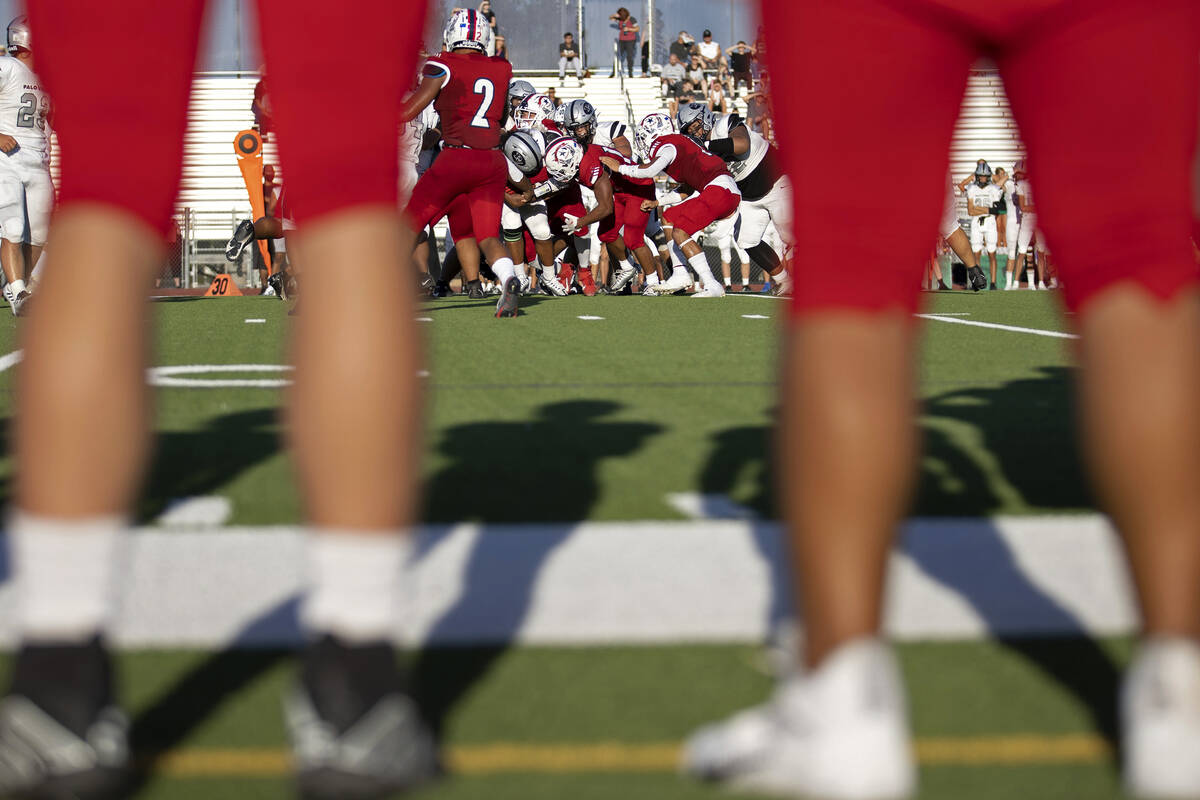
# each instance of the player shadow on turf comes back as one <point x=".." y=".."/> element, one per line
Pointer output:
<point x="1011" y="447"/>
<point x="526" y="302"/>
<point x="541" y="470"/>
<point x="197" y="462"/>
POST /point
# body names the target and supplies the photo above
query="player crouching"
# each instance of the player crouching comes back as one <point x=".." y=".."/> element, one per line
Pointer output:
<point x="717" y="196"/>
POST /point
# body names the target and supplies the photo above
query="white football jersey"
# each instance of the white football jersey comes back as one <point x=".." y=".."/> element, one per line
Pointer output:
<point x="983" y="197"/>
<point x="23" y="106"/>
<point x="740" y="166"/>
<point x="607" y="131"/>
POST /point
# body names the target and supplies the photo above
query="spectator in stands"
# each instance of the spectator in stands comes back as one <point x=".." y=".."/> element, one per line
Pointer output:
<point x="740" y="60"/>
<point x="712" y="59"/>
<point x="716" y="97"/>
<point x="756" y="111"/>
<point x="628" y="34"/>
<point x="673" y="75"/>
<point x="501" y="48"/>
<point x="553" y="97"/>
<point x="645" y="56"/>
<point x="485" y="8"/>
<point x="696" y="74"/>
<point x="568" y="56"/>
<point x="681" y="48"/>
<point x="261" y="106"/>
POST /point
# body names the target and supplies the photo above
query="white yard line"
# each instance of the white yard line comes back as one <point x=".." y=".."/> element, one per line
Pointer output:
<point x="10" y="360"/>
<point x="604" y="582"/>
<point x="997" y="326"/>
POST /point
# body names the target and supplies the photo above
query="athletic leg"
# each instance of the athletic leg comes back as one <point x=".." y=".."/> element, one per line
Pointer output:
<point x="1128" y="272"/>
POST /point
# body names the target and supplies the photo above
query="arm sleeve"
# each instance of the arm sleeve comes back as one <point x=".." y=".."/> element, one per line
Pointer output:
<point x="721" y="147"/>
<point x="666" y="155"/>
<point x="438" y="71"/>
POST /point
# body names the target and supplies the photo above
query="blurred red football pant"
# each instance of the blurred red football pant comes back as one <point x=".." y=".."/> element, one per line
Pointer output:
<point x="477" y="175"/>
<point x="121" y="118"/>
<point x="1104" y="92"/>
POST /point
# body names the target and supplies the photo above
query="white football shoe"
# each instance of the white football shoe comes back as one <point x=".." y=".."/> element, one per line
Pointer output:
<point x="839" y="732"/>
<point x="680" y="279"/>
<point x="1160" y="715"/>
<point x="552" y="285"/>
<point x="621" y="279"/>
<point x="712" y="290"/>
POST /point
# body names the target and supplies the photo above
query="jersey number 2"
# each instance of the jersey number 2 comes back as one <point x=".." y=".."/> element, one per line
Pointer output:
<point x="28" y="110"/>
<point x="488" y="89"/>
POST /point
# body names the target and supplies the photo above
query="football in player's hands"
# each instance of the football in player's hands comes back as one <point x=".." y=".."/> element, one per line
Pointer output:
<point x="611" y="163"/>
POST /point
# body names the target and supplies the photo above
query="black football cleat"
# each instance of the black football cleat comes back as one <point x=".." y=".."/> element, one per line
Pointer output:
<point x="475" y="290"/>
<point x="976" y="280"/>
<point x="506" y="306"/>
<point x="242" y="236"/>
<point x="356" y="732"/>
<point x="61" y="733"/>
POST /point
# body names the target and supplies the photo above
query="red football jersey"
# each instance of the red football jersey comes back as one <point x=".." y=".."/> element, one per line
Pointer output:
<point x="471" y="102"/>
<point x="693" y="165"/>
<point x="590" y="170"/>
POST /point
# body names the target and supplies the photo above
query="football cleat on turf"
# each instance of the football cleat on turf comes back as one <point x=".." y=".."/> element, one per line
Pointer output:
<point x="586" y="282"/>
<point x="20" y="304"/>
<point x="651" y="290"/>
<point x="838" y="732"/>
<point x="61" y="735"/>
<point x="781" y="287"/>
<point x="679" y="281"/>
<point x="712" y="290"/>
<point x="506" y="306"/>
<point x="441" y="289"/>
<point x="276" y="284"/>
<point x="552" y="285"/>
<point x="976" y="280"/>
<point x="1160" y="718"/>
<point x="622" y="278"/>
<point x="475" y="290"/>
<point x="242" y="236"/>
<point x="355" y="731"/>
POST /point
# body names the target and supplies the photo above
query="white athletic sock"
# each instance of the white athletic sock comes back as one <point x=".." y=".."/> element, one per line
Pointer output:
<point x="354" y="583"/>
<point x="1029" y="277"/>
<point x="700" y="263"/>
<point x="651" y="279"/>
<point x="504" y="270"/>
<point x="17" y="287"/>
<point x="64" y="572"/>
<point x="627" y="264"/>
<point x="728" y="282"/>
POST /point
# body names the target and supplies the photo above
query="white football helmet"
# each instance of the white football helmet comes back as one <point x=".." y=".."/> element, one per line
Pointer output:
<point x="18" y="34"/>
<point x="563" y="157"/>
<point x="533" y="111"/>
<point x="687" y="117"/>
<point x="468" y="28"/>
<point x="652" y="126"/>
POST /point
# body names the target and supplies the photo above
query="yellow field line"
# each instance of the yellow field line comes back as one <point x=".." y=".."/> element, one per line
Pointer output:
<point x="500" y="757"/>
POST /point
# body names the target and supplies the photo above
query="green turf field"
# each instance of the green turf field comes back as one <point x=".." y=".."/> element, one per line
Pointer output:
<point x="552" y="418"/>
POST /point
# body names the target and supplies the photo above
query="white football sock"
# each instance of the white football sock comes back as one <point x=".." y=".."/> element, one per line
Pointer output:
<point x="677" y="257"/>
<point x="728" y="282"/>
<point x="354" y="583"/>
<point x="700" y="263"/>
<point x="503" y="269"/>
<point x="64" y="572"/>
<point x="651" y="279"/>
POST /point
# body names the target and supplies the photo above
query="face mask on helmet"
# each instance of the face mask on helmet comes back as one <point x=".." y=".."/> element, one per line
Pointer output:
<point x="563" y="157"/>
<point x="580" y="121"/>
<point x="651" y="127"/>
<point x="533" y="110"/>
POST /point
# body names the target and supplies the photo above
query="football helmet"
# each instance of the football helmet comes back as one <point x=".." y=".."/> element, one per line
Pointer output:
<point x="518" y="90"/>
<point x="524" y="150"/>
<point x="466" y="28"/>
<point x="696" y="121"/>
<point x="534" y="110"/>
<point x="18" y="34"/>
<point x="579" y="114"/>
<point x="563" y="157"/>
<point x="983" y="173"/>
<point x="652" y="126"/>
